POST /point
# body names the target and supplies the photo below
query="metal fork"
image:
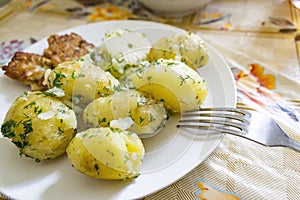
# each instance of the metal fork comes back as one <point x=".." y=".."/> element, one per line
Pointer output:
<point x="247" y="124"/>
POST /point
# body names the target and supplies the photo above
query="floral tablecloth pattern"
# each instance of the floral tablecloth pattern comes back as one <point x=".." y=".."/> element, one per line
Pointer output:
<point x="260" y="42"/>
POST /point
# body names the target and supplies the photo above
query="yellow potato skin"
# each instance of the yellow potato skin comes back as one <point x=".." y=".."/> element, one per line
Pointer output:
<point x="188" y="48"/>
<point x="39" y="125"/>
<point x="118" y="105"/>
<point x="81" y="81"/>
<point x="148" y="115"/>
<point x="104" y="153"/>
<point x="84" y="162"/>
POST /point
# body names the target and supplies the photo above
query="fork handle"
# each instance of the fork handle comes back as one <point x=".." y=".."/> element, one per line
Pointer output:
<point x="292" y="144"/>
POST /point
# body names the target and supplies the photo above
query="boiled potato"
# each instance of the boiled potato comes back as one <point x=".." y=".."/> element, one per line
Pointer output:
<point x="81" y="81"/>
<point x="122" y="50"/>
<point x="187" y="47"/>
<point x="148" y="116"/>
<point x="107" y="153"/>
<point x="39" y="125"/>
<point x="174" y="83"/>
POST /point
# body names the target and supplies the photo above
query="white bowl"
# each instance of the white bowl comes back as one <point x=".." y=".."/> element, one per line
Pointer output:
<point x="174" y="7"/>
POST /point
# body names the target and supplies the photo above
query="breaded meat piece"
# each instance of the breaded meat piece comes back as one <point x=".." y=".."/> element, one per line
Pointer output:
<point x="29" y="69"/>
<point x="68" y="47"/>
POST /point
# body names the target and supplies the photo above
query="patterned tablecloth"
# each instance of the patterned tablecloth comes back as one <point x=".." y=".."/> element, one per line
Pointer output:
<point x="260" y="42"/>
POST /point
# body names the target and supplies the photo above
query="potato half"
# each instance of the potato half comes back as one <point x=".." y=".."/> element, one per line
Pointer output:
<point x="107" y="153"/>
<point x="175" y="84"/>
<point x="39" y="125"/>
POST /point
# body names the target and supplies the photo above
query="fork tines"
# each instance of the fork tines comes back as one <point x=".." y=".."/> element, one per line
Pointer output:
<point x="225" y="120"/>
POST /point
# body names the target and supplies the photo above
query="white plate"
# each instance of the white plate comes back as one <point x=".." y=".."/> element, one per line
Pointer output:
<point x="169" y="156"/>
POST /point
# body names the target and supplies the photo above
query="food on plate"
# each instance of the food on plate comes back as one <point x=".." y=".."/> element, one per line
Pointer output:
<point x="148" y="116"/>
<point x="172" y="82"/>
<point x="40" y="126"/>
<point x="67" y="47"/>
<point x="107" y="153"/>
<point x="121" y="50"/>
<point x="187" y="47"/>
<point x="29" y="69"/>
<point x="81" y="82"/>
<point x="121" y="91"/>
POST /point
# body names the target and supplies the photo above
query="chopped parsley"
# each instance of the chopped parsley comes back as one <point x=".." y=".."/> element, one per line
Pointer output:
<point x="60" y="131"/>
<point x="96" y="167"/>
<point x="141" y="120"/>
<point x="58" y="78"/>
<point x="30" y="105"/>
<point x="74" y="75"/>
<point x="102" y="120"/>
<point x="130" y="45"/>
<point x="8" y="128"/>
<point x="183" y="79"/>
<point x="27" y="126"/>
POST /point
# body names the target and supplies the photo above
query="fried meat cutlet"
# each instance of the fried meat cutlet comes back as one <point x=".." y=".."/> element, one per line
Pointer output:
<point x="29" y="69"/>
<point x="66" y="47"/>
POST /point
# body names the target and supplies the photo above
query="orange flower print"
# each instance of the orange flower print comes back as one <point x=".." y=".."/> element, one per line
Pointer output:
<point x="265" y="80"/>
<point x="226" y="26"/>
<point x="258" y="90"/>
<point x="256" y="85"/>
<point x="256" y="73"/>
<point x="208" y="192"/>
<point x="108" y="12"/>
